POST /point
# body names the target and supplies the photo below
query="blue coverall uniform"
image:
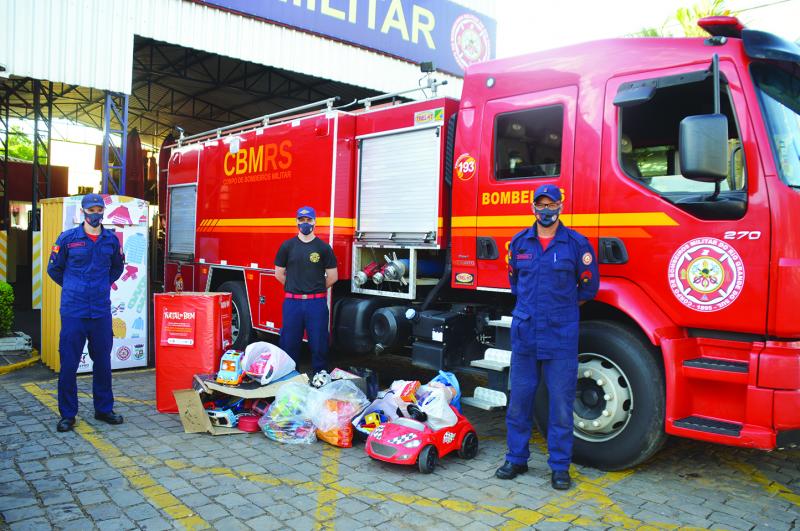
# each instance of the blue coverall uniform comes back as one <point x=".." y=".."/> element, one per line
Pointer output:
<point x="548" y="284"/>
<point x="85" y="270"/>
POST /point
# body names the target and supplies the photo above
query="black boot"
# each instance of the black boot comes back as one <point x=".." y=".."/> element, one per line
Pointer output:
<point x="65" y="425"/>
<point x="560" y="480"/>
<point x="509" y="470"/>
<point x="110" y="417"/>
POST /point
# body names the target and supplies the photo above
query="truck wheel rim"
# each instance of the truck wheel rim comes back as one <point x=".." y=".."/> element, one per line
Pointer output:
<point x="234" y="322"/>
<point x="603" y="399"/>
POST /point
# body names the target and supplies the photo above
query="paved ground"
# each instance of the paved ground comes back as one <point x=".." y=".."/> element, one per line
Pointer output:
<point x="148" y="474"/>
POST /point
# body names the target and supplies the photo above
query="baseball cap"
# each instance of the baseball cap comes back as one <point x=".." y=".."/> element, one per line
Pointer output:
<point x="548" y="190"/>
<point x="91" y="200"/>
<point x="306" y="212"/>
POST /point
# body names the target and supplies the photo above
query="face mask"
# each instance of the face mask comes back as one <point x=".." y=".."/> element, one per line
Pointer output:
<point x="93" y="219"/>
<point x="305" y="228"/>
<point x="546" y="217"/>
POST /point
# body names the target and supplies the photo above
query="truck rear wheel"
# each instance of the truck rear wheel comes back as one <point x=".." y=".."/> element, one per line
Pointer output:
<point x="619" y="403"/>
<point x="241" y="326"/>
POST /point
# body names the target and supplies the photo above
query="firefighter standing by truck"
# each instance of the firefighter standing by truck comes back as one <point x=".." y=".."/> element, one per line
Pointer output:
<point x="306" y="266"/>
<point x="85" y="262"/>
<point x="552" y="271"/>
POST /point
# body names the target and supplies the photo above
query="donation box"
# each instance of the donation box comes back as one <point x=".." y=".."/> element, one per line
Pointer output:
<point x="192" y="332"/>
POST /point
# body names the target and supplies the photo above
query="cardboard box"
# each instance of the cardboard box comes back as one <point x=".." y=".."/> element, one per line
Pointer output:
<point x="194" y="417"/>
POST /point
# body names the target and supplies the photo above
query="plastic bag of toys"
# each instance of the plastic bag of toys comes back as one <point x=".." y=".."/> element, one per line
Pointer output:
<point x="265" y="362"/>
<point x="332" y="408"/>
<point x="288" y="420"/>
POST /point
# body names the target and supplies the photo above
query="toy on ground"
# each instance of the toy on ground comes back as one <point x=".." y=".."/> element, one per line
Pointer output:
<point x="406" y="441"/>
<point x="288" y="420"/>
<point x="230" y="368"/>
<point x="222" y="417"/>
<point x="331" y="409"/>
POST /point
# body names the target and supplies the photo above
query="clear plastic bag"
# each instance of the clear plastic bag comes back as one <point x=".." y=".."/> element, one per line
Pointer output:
<point x="332" y="407"/>
<point x="288" y="420"/>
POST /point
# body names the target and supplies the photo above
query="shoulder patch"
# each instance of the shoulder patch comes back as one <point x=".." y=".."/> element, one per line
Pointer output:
<point x="55" y="248"/>
<point x="586" y="258"/>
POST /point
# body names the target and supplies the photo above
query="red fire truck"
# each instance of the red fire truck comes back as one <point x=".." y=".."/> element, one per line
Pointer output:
<point x="678" y="158"/>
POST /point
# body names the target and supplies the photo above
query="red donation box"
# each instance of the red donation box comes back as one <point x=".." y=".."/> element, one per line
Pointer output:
<point x="192" y="332"/>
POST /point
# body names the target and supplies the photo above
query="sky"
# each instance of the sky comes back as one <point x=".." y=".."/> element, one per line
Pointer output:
<point x="531" y="25"/>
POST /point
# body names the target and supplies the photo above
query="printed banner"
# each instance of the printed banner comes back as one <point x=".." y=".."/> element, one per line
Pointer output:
<point x="450" y="35"/>
<point x="177" y="328"/>
<point x="128" y="217"/>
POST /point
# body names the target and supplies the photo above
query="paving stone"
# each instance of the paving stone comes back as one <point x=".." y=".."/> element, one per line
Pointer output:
<point x="265" y="523"/>
<point x="117" y="524"/>
<point x="155" y="524"/>
<point x="143" y="511"/>
<point x="35" y="524"/>
<point x="91" y="496"/>
<point x="212" y="512"/>
<point x="23" y="513"/>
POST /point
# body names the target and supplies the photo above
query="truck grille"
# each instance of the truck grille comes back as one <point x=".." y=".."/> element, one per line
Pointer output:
<point x="383" y="450"/>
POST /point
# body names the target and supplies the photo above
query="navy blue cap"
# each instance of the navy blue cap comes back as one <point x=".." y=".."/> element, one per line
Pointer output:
<point x="306" y="212"/>
<point x="548" y="190"/>
<point x="92" y="200"/>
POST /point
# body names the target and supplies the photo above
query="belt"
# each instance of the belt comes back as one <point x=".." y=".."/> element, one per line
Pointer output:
<point x="306" y="295"/>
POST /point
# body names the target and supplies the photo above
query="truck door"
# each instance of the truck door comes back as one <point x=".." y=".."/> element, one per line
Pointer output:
<point x="530" y="143"/>
<point x="701" y="256"/>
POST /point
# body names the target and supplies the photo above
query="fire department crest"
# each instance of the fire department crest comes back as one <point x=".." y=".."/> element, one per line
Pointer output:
<point x="469" y="41"/>
<point x="706" y="274"/>
<point x="314" y="257"/>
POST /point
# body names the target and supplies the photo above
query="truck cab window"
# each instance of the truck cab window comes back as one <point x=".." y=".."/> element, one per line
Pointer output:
<point x="528" y="143"/>
<point x="648" y="149"/>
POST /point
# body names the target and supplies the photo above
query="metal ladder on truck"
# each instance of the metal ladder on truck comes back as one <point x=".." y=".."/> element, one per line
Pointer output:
<point x="496" y="363"/>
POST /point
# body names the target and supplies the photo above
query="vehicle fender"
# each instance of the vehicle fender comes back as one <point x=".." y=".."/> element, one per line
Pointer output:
<point x="630" y="299"/>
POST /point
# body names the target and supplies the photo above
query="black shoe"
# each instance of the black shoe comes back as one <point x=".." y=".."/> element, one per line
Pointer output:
<point x="560" y="480"/>
<point x="509" y="470"/>
<point x="110" y="417"/>
<point x="65" y="425"/>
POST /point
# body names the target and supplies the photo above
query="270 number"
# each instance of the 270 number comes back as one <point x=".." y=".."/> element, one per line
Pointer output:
<point x="742" y="235"/>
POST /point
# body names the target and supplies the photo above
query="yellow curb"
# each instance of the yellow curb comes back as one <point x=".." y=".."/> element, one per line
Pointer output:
<point x="22" y="364"/>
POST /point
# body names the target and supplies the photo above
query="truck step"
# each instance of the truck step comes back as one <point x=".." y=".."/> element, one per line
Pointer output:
<point x="503" y="322"/>
<point x="494" y="359"/>
<point x="486" y="399"/>
<point x="717" y="365"/>
<point x="719" y="427"/>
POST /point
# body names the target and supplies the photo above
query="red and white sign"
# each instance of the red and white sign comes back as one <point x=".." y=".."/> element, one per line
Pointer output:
<point x="178" y="328"/>
<point x="706" y="274"/>
<point x="465" y="167"/>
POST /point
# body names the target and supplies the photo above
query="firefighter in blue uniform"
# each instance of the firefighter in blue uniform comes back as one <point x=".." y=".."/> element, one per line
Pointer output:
<point x="85" y="262"/>
<point x="552" y="271"/>
<point x="306" y="266"/>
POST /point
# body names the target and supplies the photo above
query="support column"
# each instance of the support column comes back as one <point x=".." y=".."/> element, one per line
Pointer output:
<point x="5" y="127"/>
<point x="42" y="132"/>
<point x="115" y="143"/>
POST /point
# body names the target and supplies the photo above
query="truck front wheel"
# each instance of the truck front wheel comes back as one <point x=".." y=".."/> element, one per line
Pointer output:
<point x="241" y="326"/>
<point x="619" y="399"/>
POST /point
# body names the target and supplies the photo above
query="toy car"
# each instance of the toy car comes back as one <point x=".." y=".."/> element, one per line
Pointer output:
<point x="406" y="441"/>
<point x="230" y="368"/>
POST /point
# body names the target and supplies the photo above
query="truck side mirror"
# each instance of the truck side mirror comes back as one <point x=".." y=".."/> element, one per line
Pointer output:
<point x="703" y="147"/>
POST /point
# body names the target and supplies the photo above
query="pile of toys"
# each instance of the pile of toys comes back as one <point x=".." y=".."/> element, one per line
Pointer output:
<point x="409" y="423"/>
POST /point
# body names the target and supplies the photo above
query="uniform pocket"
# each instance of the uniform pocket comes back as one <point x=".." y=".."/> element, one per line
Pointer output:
<point x="78" y="256"/>
<point x="520" y="326"/>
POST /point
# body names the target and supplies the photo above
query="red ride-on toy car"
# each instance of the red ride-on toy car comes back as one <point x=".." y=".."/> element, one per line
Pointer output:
<point x="406" y="441"/>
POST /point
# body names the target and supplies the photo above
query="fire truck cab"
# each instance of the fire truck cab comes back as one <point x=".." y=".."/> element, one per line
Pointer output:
<point x="679" y="159"/>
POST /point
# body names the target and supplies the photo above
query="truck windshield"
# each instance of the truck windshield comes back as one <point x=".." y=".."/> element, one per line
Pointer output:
<point x="778" y="87"/>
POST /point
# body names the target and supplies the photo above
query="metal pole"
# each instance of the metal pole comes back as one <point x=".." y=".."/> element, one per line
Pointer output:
<point x="37" y="89"/>
<point x="48" y="187"/>
<point x="4" y="117"/>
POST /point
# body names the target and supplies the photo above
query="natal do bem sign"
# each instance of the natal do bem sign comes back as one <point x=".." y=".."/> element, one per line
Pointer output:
<point x="450" y="35"/>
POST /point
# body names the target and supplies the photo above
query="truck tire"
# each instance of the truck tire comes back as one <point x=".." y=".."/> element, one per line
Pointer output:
<point x="241" y="326"/>
<point x="619" y="400"/>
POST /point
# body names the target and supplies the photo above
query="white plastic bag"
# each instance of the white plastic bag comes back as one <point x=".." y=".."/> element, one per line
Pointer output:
<point x="436" y="405"/>
<point x="265" y="362"/>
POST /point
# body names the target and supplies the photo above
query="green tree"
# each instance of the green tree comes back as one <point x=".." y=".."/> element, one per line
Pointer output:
<point x="686" y="19"/>
<point x="20" y="145"/>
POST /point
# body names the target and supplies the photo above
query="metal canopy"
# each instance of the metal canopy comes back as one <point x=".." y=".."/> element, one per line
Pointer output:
<point x="176" y="86"/>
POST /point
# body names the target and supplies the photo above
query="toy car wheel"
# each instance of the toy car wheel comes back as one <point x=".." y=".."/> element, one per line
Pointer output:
<point x="469" y="446"/>
<point x="428" y="458"/>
